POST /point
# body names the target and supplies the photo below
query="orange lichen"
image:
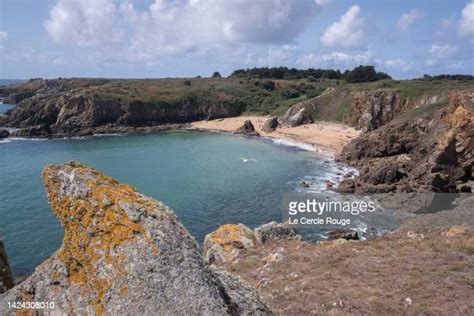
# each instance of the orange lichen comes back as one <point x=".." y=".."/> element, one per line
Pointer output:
<point x="94" y="227"/>
<point x="228" y="234"/>
<point x="123" y="290"/>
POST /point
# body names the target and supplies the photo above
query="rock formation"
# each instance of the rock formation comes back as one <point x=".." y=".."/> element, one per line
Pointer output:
<point x="270" y="125"/>
<point x="4" y="133"/>
<point x="124" y="253"/>
<point x="6" y="279"/>
<point x="296" y="115"/>
<point x="247" y="129"/>
<point x="275" y="231"/>
<point x="67" y="107"/>
<point x="225" y="243"/>
<point x="431" y="149"/>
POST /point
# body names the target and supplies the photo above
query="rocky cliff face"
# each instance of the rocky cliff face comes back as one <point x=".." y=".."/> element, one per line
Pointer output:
<point x="6" y="280"/>
<point x="428" y="147"/>
<point x="124" y="253"/>
<point x="373" y="109"/>
<point x="67" y="107"/>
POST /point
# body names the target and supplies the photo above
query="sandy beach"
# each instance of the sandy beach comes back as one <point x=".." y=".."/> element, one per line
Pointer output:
<point x="325" y="136"/>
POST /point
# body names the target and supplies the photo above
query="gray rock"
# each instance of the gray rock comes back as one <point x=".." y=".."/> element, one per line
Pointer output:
<point x="347" y="234"/>
<point x="270" y="125"/>
<point x="4" y="133"/>
<point x="275" y="231"/>
<point x="247" y="129"/>
<point x="296" y="115"/>
<point x="123" y="254"/>
<point x="6" y="280"/>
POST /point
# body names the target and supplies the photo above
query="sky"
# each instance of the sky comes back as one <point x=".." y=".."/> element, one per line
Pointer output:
<point x="186" y="38"/>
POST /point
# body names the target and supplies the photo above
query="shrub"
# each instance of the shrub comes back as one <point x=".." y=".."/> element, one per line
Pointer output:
<point x="268" y="85"/>
<point x="290" y="93"/>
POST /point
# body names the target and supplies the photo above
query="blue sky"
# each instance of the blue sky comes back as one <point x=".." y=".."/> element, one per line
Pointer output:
<point x="177" y="38"/>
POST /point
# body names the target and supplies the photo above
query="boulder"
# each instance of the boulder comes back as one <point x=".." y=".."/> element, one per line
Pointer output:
<point x="347" y="234"/>
<point x="296" y="116"/>
<point x="6" y="279"/>
<point x="124" y="253"/>
<point x="247" y="129"/>
<point x="275" y="231"/>
<point x="224" y="244"/>
<point x="4" y="133"/>
<point x="270" y="125"/>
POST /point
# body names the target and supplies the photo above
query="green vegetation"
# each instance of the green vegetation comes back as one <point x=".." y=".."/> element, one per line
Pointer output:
<point x="364" y="74"/>
<point x="358" y="74"/>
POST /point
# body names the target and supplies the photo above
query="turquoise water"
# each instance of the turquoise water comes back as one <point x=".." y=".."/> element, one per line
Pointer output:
<point x="201" y="176"/>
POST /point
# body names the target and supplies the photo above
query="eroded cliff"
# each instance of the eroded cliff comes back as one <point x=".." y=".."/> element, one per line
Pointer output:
<point x="429" y="146"/>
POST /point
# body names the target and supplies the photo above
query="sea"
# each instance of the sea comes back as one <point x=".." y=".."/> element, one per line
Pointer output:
<point x="208" y="179"/>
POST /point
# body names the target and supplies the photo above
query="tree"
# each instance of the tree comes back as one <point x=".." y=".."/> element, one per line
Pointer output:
<point x="364" y="74"/>
<point x="216" y="74"/>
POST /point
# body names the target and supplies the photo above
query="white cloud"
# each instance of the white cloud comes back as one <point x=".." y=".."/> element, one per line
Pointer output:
<point x="323" y="3"/>
<point x="442" y="50"/>
<point x="84" y="22"/>
<point x="349" y="31"/>
<point x="395" y="64"/>
<point x="192" y="25"/>
<point x="466" y="25"/>
<point x="275" y="57"/>
<point x="407" y="19"/>
<point x="335" y="60"/>
<point x="3" y="38"/>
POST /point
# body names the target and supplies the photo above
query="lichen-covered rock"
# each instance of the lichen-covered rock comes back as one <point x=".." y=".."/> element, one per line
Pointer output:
<point x="270" y="125"/>
<point x="244" y="297"/>
<point x="122" y="253"/>
<point x="247" y="129"/>
<point x="275" y="231"/>
<point x="6" y="280"/>
<point x="224" y="244"/>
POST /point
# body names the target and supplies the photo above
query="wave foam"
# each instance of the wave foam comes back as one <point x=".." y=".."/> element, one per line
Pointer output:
<point x="291" y="143"/>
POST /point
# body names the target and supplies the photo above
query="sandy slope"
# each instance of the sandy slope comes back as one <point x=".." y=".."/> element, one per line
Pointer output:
<point x="329" y="137"/>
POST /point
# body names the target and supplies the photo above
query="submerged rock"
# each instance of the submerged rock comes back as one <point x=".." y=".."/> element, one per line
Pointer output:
<point x="124" y="253"/>
<point x="6" y="279"/>
<point x="270" y="125"/>
<point x="247" y="129"/>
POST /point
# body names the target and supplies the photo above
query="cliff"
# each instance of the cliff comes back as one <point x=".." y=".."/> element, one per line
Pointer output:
<point x="422" y="146"/>
<point x="124" y="253"/>
<point x="66" y="107"/>
<point x="75" y="106"/>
